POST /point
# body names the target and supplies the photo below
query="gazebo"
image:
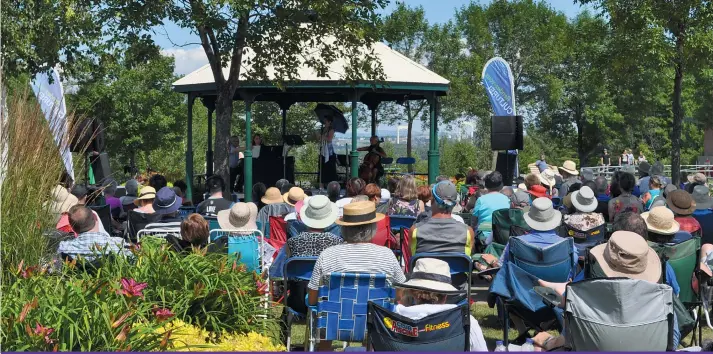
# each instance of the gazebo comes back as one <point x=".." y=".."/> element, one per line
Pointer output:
<point x="404" y="80"/>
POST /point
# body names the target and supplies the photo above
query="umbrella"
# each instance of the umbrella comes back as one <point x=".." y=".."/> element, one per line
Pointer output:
<point x="332" y="113"/>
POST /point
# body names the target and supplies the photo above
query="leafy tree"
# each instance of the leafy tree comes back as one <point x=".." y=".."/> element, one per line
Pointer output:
<point x="274" y="34"/>
<point x="680" y="31"/>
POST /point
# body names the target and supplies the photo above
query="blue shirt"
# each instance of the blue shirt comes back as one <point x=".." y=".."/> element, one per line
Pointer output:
<point x="92" y="244"/>
<point x="540" y="239"/>
<point x="541" y="165"/>
<point x="486" y="205"/>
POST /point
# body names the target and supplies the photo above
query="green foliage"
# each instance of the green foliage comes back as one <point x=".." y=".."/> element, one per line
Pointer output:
<point x="89" y="312"/>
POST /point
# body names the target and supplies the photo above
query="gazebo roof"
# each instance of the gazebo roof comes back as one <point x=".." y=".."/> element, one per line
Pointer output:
<point x="403" y="76"/>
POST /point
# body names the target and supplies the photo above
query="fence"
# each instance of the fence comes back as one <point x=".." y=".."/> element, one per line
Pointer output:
<point x="608" y="171"/>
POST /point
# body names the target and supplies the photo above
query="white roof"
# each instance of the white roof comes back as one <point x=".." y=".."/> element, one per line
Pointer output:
<point x="397" y="69"/>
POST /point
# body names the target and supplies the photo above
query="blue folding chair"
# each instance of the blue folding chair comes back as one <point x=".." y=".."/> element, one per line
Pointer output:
<point x="459" y="263"/>
<point x="184" y="211"/>
<point x="553" y="263"/>
<point x="556" y="202"/>
<point x="406" y="161"/>
<point x="296" y="274"/>
<point x="705" y="218"/>
<point x="398" y="223"/>
<point x="341" y="311"/>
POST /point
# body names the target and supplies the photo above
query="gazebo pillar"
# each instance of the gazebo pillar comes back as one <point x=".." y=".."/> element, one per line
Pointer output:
<point x="374" y="107"/>
<point x="209" y="103"/>
<point x="248" y="154"/>
<point x="433" y="154"/>
<point x="189" y="148"/>
<point x="354" y="161"/>
<point x="284" y="106"/>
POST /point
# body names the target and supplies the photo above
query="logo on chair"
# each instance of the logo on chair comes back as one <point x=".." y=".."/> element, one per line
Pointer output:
<point x="400" y="327"/>
<point x="436" y="327"/>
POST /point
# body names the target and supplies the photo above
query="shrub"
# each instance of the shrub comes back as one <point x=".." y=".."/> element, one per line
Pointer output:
<point x="190" y="338"/>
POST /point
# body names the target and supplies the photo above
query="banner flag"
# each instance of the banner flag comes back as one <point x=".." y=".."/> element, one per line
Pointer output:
<point x="51" y="99"/>
<point x="500" y="87"/>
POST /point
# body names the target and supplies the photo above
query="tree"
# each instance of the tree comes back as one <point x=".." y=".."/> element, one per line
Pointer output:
<point x="680" y="28"/>
<point x="275" y="34"/>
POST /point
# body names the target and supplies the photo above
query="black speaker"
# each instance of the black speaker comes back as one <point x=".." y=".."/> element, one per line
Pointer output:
<point x="505" y="164"/>
<point x="506" y="133"/>
<point x="100" y="167"/>
<point x="89" y="136"/>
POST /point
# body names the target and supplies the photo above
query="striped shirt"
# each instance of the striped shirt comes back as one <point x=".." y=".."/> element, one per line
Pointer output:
<point x="356" y="258"/>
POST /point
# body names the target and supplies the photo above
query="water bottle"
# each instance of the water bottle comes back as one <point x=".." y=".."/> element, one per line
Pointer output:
<point x="528" y="346"/>
<point x="499" y="347"/>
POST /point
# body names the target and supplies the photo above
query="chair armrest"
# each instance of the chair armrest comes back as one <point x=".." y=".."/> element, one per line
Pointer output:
<point x="549" y="296"/>
<point x="491" y="272"/>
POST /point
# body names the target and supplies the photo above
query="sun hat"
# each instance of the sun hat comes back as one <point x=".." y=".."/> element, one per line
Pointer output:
<point x="542" y="216"/>
<point x="627" y="254"/>
<point x="294" y="195"/>
<point x="385" y="194"/>
<point x="547" y="177"/>
<point x="538" y="191"/>
<point x="584" y="200"/>
<point x="240" y="217"/>
<point x="166" y="201"/>
<point x="700" y="178"/>
<point x="319" y="212"/>
<point x="359" y="213"/>
<point x="147" y="193"/>
<point x="272" y="196"/>
<point x="680" y="202"/>
<point x="661" y="221"/>
<point x="644" y="167"/>
<point x="702" y="197"/>
<point x="657" y="169"/>
<point x="522" y="187"/>
<point x="430" y="274"/>
<point x="587" y="174"/>
<point x="521" y="199"/>
<point x="570" y="167"/>
<point x="62" y="200"/>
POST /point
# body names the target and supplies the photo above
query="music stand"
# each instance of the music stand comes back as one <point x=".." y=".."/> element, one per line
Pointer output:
<point x="289" y="141"/>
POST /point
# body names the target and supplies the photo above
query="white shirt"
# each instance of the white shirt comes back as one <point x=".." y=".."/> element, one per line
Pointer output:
<point x="457" y="218"/>
<point x="340" y="205"/>
<point x="291" y="216"/>
<point x="256" y="151"/>
<point x="417" y="312"/>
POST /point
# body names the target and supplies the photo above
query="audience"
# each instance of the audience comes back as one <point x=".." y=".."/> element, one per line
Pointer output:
<point x="520" y="200"/>
<point x="682" y="205"/>
<point x="293" y="196"/>
<point x="569" y="173"/>
<point x="354" y="187"/>
<point x="215" y="203"/>
<point x="80" y="192"/>
<point x="392" y="184"/>
<point x="405" y="202"/>
<point x="373" y="192"/>
<point x="109" y="189"/>
<point x="548" y="180"/>
<point x="424" y="195"/>
<point x="585" y="217"/>
<point x="488" y="203"/>
<point x="259" y="192"/>
<point x="194" y="234"/>
<point x="132" y="192"/>
<point x="625" y="201"/>
<point x="167" y="204"/>
<point x="333" y="191"/>
<point x="663" y="228"/>
<point x="532" y="180"/>
<point x="653" y="192"/>
<point x="157" y="182"/>
<point x="145" y="200"/>
<point x="318" y="213"/>
<point x="282" y="185"/>
<point x="90" y="241"/>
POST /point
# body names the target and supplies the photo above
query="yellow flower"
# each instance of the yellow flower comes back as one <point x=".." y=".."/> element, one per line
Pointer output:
<point x="185" y="338"/>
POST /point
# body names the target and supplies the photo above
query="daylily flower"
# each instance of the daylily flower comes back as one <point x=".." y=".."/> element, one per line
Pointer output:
<point x="123" y="334"/>
<point x="162" y="314"/>
<point x="26" y="309"/>
<point x="120" y="320"/>
<point x="131" y="288"/>
<point x="261" y="287"/>
<point x="45" y="332"/>
<point x="27" y="272"/>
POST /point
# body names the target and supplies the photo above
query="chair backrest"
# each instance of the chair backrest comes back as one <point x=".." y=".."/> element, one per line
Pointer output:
<point x="552" y="263"/>
<point x="508" y="223"/>
<point x="342" y="306"/>
<point x="459" y="263"/>
<point x="158" y="232"/>
<point x="212" y="223"/>
<point x="705" y="218"/>
<point x="184" y="211"/>
<point x="278" y="232"/>
<point x="446" y="331"/>
<point x="299" y="268"/>
<point x="683" y="258"/>
<point x="104" y="213"/>
<point x="619" y="314"/>
<point x="383" y="233"/>
<point x="406" y="160"/>
<point x="387" y="160"/>
<point x="466" y="217"/>
<point x="584" y="240"/>
<point x="398" y="222"/>
<point x="245" y="246"/>
<point x="137" y="221"/>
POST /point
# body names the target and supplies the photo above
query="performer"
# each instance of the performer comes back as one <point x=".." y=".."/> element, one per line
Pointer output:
<point x="257" y="144"/>
<point x="235" y="157"/>
<point x="328" y="158"/>
<point x="371" y="166"/>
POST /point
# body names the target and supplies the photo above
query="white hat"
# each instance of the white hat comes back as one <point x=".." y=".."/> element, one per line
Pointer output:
<point x="241" y="217"/>
<point x="318" y="212"/>
<point x="547" y="177"/>
<point x="385" y="194"/>
<point x="584" y="200"/>
<point x="570" y="167"/>
<point x="542" y="216"/>
<point x="430" y="274"/>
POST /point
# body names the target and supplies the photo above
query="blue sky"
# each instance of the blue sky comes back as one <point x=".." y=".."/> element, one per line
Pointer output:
<point x="183" y="45"/>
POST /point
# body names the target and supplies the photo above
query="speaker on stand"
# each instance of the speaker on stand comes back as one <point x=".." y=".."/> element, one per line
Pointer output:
<point x="506" y="133"/>
<point x="90" y="142"/>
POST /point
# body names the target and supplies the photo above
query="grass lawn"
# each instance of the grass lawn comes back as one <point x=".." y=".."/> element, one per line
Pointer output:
<point x="486" y="317"/>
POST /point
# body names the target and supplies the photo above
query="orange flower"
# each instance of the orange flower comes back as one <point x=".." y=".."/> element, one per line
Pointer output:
<point x="120" y="320"/>
<point x="26" y="309"/>
<point x="123" y="333"/>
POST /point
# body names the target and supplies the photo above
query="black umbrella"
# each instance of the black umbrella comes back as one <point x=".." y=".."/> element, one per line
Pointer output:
<point x="333" y="114"/>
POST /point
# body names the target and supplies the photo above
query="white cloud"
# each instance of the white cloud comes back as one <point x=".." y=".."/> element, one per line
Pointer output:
<point x="187" y="59"/>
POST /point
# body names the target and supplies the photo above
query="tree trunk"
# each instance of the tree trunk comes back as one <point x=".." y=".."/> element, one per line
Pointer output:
<point x="223" y="117"/>
<point x="408" y="134"/>
<point x="677" y="110"/>
<point x="580" y="139"/>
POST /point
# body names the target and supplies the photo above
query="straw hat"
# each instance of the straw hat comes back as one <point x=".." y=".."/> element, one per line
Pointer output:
<point x="272" y="196"/>
<point x="62" y="200"/>
<point x="359" y="213"/>
<point x="700" y="178"/>
<point x="627" y="254"/>
<point x="570" y="167"/>
<point x="584" y="200"/>
<point x="241" y="217"/>
<point x="547" y="177"/>
<point x="294" y="195"/>
<point x="542" y="216"/>
<point x="147" y="193"/>
<point x="680" y="202"/>
<point x="702" y="197"/>
<point x="319" y="212"/>
<point x="661" y="221"/>
<point x="538" y="191"/>
<point x="430" y="274"/>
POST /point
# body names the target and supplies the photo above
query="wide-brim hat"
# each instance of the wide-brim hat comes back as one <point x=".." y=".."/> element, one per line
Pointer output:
<point x="62" y="200"/>
<point x="570" y="167"/>
<point x="661" y="221"/>
<point x="547" y="177"/>
<point x="240" y="217"/>
<point x="147" y="193"/>
<point x="294" y="195"/>
<point x="584" y="200"/>
<point x="359" y="213"/>
<point x="538" y="191"/>
<point x="680" y="202"/>
<point x="166" y="201"/>
<point x="587" y="174"/>
<point x="627" y="254"/>
<point x="430" y="274"/>
<point x="644" y="167"/>
<point x="702" y="198"/>
<point x="319" y="212"/>
<point x="272" y="196"/>
<point x="542" y="216"/>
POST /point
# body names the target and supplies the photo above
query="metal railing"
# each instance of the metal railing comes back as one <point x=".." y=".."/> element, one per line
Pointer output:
<point x="608" y="171"/>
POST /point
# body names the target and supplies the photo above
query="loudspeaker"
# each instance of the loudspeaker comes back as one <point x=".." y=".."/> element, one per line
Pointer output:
<point x="506" y="166"/>
<point x="506" y="133"/>
<point x="100" y="166"/>
<point x="89" y="136"/>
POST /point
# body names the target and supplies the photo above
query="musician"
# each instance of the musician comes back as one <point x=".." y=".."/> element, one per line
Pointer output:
<point x="235" y="155"/>
<point x="371" y="165"/>
<point x="328" y="158"/>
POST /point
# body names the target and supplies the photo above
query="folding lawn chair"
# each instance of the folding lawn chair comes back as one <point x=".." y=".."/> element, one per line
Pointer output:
<point x="184" y="211"/>
<point x="246" y="246"/>
<point x="461" y="267"/>
<point x="401" y="225"/>
<point x="296" y="274"/>
<point x="584" y="240"/>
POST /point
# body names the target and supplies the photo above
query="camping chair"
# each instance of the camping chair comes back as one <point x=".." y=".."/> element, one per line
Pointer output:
<point x="184" y="211"/>
<point x="137" y="221"/>
<point x="459" y="263"/>
<point x="341" y="310"/>
<point x="512" y="287"/>
<point x="556" y="202"/>
<point x="278" y="232"/>
<point x="447" y="331"/>
<point x="508" y="223"/>
<point x="705" y="218"/>
<point x="160" y="230"/>
<point x="584" y="240"/>
<point x="296" y="274"/>
<point x="616" y="314"/>
<point x="406" y="161"/>
<point x="247" y="247"/>
<point x="401" y="225"/>
<point x="212" y="225"/>
<point x="104" y="213"/>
